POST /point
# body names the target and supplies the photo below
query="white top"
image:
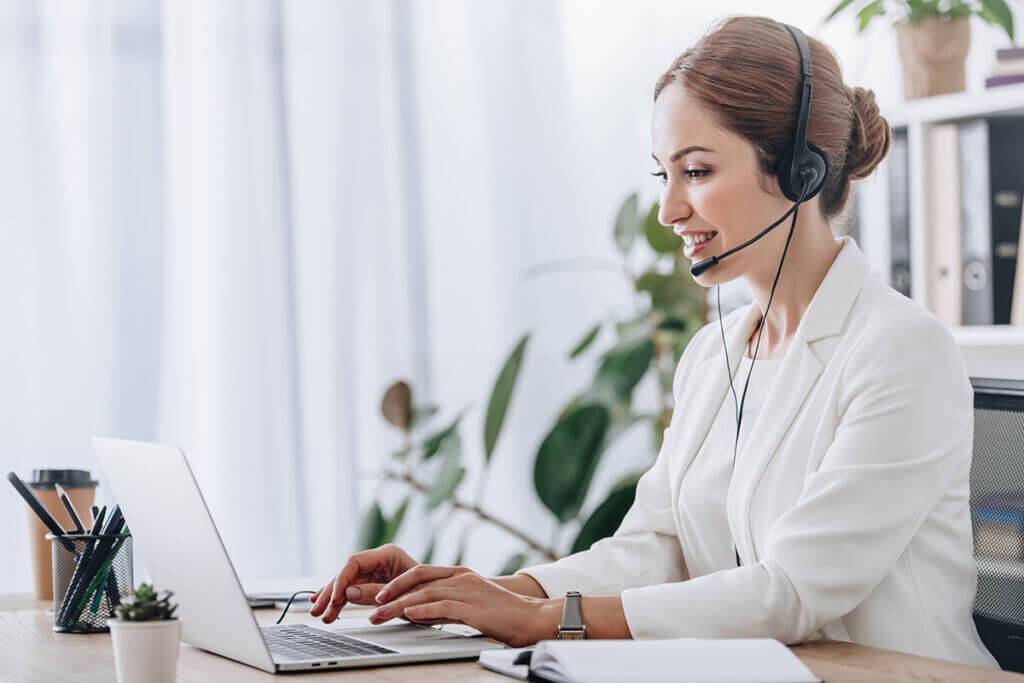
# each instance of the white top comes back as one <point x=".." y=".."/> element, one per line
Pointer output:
<point x="850" y="504"/>
<point x="706" y="485"/>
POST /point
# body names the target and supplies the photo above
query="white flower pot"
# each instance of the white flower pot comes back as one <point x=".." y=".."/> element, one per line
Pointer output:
<point x="145" y="651"/>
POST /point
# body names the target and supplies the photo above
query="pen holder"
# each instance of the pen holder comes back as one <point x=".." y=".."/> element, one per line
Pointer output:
<point x="91" y="575"/>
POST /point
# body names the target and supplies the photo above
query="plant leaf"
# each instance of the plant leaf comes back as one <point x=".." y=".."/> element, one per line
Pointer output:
<point x="624" y="366"/>
<point x="588" y="338"/>
<point x="451" y="473"/>
<point x="607" y="517"/>
<point x="421" y="414"/>
<point x="396" y="405"/>
<point x="838" y="8"/>
<point x="433" y="443"/>
<point x="627" y="224"/>
<point x="567" y="459"/>
<point x="661" y="239"/>
<point x="512" y="564"/>
<point x="373" y="528"/>
<point x="500" y="396"/>
<point x="1000" y="14"/>
<point x="393" y="524"/>
<point x="428" y="556"/>
<point x="869" y="12"/>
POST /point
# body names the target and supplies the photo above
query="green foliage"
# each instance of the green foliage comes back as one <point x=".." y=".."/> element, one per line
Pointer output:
<point x="587" y="340"/>
<point x="513" y="564"/>
<point x="995" y="12"/>
<point x="500" y="396"/>
<point x="451" y="473"/>
<point x="373" y="528"/>
<point x="433" y="443"/>
<point x="147" y="605"/>
<point x="607" y="517"/>
<point x="567" y="459"/>
<point x="647" y="342"/>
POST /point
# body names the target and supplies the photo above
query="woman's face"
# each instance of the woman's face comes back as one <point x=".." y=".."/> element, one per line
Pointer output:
<point x="713" y="189"/>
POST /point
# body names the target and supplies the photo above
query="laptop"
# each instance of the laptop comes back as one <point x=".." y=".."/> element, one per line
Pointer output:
<point x="172" y="529"/>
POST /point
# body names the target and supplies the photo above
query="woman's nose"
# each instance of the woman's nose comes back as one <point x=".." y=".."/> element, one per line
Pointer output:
<point x="674" y="209"/>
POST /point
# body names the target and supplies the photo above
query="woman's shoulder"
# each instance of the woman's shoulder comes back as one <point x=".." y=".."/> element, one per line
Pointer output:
<point x="882" y="315"/>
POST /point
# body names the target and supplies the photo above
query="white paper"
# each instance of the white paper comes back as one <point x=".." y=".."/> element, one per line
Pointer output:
<point x="748" y="660"/>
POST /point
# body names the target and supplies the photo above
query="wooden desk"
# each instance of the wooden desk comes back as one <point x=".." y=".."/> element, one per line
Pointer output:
<point x="33" y="652"/>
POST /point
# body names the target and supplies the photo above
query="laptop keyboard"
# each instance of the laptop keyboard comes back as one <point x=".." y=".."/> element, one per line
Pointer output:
<point x="298" y="641"/>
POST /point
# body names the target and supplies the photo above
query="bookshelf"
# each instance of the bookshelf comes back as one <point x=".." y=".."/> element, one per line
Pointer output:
<point x="989" y="350"/>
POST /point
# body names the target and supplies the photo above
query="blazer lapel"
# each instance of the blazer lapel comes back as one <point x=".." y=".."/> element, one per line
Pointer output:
<point x="802" y="365"/>
<point x="711" y="389"/>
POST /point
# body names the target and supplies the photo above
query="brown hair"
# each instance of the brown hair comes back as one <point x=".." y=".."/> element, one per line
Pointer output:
<point x="747" y="72"/>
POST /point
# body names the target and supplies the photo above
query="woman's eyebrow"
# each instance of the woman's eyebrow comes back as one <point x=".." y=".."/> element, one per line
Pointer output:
<point x="680" y="153"/>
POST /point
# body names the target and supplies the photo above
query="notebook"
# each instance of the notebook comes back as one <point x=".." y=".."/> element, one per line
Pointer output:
<point x="750" y="660"/>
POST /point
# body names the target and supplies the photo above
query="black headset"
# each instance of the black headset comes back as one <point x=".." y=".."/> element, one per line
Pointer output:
<point x="801" y="173"/>
<point x="804" y="161"/>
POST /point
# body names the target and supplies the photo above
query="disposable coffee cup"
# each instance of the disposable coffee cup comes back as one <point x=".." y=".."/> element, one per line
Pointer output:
<point x="81" y="490"/>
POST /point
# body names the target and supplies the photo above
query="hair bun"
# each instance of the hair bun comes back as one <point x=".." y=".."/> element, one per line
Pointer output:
<point x="870" y="135"/>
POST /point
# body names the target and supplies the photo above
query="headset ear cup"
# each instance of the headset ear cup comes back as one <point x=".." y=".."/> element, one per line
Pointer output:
<point x="814" y="158"/>
<point x="784" y="174"/>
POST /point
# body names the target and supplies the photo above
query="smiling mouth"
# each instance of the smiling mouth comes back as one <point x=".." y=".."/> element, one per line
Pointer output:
<point x="691" y="243"/>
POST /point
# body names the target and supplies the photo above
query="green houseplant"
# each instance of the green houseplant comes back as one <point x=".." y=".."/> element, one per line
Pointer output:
<point x="933" y="37"/>
<point x="668" y="309"/>
<point x="145" y="636"/>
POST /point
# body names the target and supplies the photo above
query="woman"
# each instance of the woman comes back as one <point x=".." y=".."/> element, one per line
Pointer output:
<point x="841" y="509"/>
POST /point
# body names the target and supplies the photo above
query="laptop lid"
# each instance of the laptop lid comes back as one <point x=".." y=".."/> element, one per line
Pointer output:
<point x="172" y="527"/>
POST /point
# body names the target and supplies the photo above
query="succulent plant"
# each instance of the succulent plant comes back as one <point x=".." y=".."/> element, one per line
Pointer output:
<point x="148" y="605"/>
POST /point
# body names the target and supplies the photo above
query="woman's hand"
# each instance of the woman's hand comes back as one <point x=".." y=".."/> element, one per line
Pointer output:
<point x="360" y="580"/>
<point x="429" y="594"/>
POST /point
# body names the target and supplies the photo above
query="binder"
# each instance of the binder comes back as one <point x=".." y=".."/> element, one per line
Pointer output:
<point x="944" y="295"/>
<point x="975" y="222"/>
<point x="1006" y="168"/>
<point x="899" y="212"/>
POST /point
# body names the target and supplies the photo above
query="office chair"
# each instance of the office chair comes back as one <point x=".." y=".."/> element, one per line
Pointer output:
<point x="997" y="513"/>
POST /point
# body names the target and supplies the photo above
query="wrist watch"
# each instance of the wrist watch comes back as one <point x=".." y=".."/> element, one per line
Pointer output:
<point x="572" y="627"/>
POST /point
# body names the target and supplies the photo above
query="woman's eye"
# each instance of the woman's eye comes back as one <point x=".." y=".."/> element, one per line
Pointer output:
<point x="692" y="173"/>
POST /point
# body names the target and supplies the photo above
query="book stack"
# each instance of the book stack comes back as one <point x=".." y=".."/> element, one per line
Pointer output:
<point x="1008" y="69"/>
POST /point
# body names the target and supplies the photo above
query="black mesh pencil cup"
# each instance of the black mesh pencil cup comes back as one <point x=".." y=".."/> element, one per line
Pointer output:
<point x="92" y="574"/>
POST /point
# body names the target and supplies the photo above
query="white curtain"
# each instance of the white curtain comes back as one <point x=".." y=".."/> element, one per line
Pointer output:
<point x="230" y="224"/>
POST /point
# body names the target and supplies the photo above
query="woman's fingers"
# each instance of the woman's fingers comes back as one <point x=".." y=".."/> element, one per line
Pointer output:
<point x="413" y="577"/>
<point x="363" y="593"/>
<point x="438" y="612"/>
<point x="432" y="591"/>
<point x="367" y="563"/>
<point x="323" y="596"/>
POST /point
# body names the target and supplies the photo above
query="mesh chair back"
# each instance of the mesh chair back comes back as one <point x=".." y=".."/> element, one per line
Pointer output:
<point x="997" y="513"/>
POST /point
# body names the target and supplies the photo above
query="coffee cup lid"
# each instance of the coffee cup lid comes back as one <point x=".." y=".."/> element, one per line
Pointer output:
<point x="45" y="479"/>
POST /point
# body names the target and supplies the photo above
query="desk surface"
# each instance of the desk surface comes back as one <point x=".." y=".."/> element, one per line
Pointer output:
<point x="33" y="652"/>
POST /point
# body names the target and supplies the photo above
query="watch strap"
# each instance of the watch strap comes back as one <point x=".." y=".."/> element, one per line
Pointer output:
<point x="572" y="617"/>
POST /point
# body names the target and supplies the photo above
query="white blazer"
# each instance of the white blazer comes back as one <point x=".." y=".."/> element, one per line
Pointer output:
<point x="849" y="501"/>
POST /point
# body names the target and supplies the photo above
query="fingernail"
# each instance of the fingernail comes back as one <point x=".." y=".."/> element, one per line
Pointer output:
<point x="352" y="592"/>
<point x="380" y="596"/>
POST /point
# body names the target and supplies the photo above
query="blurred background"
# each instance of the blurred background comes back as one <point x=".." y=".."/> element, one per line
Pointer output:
<point x="231" y="225"/>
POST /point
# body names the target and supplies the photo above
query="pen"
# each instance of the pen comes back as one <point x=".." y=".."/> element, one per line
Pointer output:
<point x="98" y="521"/>
<point x="69" y="506"/>
<point x="37" y="507"/>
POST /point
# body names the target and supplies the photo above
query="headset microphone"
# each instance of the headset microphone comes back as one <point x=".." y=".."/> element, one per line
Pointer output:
<point x="701" y="266"/>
